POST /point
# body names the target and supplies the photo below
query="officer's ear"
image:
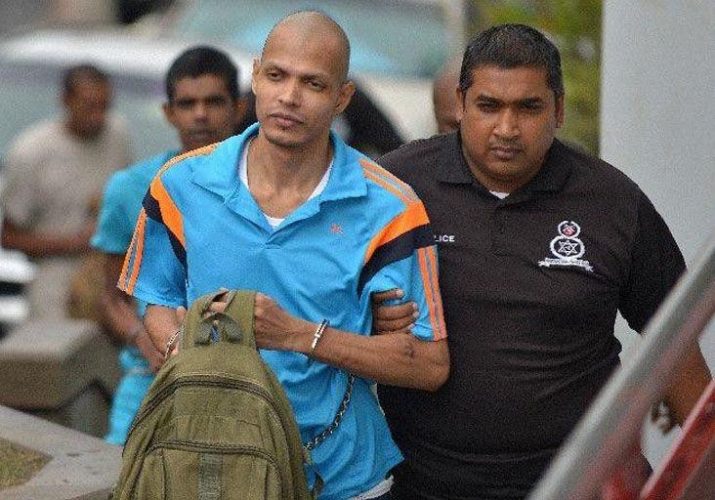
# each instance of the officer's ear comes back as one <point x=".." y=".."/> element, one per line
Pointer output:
<point x="559" y="110"/>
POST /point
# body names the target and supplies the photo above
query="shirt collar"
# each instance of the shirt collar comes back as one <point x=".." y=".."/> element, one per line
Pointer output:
<point x="221" y="175"/>
<point x="454" y="170"/>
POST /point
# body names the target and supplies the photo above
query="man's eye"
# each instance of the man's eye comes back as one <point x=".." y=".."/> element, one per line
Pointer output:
<point x="273" y="75"/>
<point x="531" y="106"/>
<point x="216" y="101"/>
<point x="487" y="106"/>
<point x="316" y="85"/>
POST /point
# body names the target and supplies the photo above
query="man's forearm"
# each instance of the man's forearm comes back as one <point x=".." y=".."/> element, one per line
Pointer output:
<point x="119" y="318"/>
<point x="43" y="245"/>
<point x="692" y="378"/>
<point x="399" y="359"/>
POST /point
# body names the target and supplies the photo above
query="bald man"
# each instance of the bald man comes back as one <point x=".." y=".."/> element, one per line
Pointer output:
<point x="444" y="96"/>
<point x="289" y="210"/>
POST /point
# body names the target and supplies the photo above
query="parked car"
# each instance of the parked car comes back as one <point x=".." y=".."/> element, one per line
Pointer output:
<point x="31" y="66"/>
<point x="16" y="271"/>
<point x="397" y="45"/>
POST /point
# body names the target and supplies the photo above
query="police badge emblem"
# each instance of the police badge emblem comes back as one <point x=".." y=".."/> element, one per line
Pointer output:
<point x="567" y="248"/>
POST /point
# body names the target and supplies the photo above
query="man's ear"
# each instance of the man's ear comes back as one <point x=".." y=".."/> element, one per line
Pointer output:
<point x="254" y="73"/>
<point x="168" y="112"/>
<point x="347" y="90"/>
<point x="459" y="111"/>
<point x="559" y="107"/>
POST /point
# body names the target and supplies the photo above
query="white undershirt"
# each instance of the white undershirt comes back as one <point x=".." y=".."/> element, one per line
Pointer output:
<point x="274" y="222"/>
<point x="499" y="194"/>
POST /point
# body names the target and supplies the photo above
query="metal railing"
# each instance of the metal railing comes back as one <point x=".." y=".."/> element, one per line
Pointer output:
<point x="605" y="437"/>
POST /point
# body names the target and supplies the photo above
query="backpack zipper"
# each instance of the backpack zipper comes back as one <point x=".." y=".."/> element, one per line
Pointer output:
<point x="202" y="381"/>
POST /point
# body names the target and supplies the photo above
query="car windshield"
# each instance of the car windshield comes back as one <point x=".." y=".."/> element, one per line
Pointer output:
<point x="387" y="37"/>
<point x="29" y="91"/>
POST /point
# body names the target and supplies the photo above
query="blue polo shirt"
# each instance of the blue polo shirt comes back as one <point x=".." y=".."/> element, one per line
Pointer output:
<point x="201" y="229"/>
<point x="121" y="204"/>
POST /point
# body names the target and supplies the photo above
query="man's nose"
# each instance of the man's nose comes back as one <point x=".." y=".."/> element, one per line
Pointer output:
<point x="200" y="111"/>
<point x="508" y="124"/>
<point x="291" y="93"/>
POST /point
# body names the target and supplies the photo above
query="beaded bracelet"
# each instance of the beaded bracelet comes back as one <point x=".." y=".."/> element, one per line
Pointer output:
<point x="319" y="333"/>
<point x="171" y="342"/>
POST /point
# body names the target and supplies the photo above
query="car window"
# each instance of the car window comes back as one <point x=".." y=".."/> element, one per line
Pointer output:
<point x="29" y="92"/>
<point x="388" y="37"/>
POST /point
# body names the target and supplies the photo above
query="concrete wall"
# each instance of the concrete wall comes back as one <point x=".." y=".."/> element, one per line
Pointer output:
<point x="658" y="118"/>
<point x="658" y="108"/>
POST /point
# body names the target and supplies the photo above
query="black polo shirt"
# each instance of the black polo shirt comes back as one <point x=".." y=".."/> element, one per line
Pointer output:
<point x="531" y="285"/>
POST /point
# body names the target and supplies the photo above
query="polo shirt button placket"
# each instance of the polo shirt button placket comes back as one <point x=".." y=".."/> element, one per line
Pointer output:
<point x="499" y="243"/>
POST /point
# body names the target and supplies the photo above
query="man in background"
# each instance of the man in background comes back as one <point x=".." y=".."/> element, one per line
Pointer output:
<point x="204" y="106"/>
<point x="54" y="174"/>
<point x="444" y="96"/>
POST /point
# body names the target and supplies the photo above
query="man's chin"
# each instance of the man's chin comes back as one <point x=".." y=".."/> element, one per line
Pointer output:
<point x="89" y="135"/>
<point x="282" y="139"/>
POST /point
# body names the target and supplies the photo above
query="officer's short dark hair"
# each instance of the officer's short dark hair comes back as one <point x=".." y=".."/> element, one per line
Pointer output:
<point x="511" y="46"/>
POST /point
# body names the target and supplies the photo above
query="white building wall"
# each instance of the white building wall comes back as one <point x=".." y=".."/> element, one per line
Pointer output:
<point x="658" y="119"/>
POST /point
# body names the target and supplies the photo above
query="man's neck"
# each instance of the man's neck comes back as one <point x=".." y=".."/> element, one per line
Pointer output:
<point x="284" y="168"/>
<point x="282" y="178"/>
<point x="79" y="136"/>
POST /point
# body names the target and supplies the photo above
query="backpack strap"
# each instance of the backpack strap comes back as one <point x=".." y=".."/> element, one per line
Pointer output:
<point x="235" y="324"/>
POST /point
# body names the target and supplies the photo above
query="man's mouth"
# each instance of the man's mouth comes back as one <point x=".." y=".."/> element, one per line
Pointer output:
<point x="505" y="153"/>
<point x="286" y="120"/>
<point x="200" y="134"/>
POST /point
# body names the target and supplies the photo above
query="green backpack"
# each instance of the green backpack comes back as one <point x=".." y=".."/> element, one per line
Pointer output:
<point x="215" y="423"/>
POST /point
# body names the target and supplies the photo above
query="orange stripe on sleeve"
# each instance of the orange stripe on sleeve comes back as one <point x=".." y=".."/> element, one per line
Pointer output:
<point x="137" y="254"/>
<point x="405" y="189"/>
<point x="427" y="285"/>
<point x="414" y="216"/>
<point x="170" y="214"/>
<point x="388" y="187"/>
<point x="439" y="328"/>
<point x="429" y="293"/>
<point x="122" y="283"/>
<point x="195" y="152"/>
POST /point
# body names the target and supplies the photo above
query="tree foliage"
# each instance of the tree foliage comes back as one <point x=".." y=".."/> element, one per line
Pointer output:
<point x="575" y="27"/>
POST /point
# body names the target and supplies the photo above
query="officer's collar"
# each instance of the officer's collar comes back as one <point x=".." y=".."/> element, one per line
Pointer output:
<point x="551" y="177"/>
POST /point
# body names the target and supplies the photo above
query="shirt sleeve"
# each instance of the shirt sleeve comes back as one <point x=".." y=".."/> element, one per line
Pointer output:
<point x="124" y="138"/>
<point x="405" y="257"/>
<point x="154" y="267"/>
<point x="19" y="196"/>
<point x="656" y="266"/>
<point x="114" y="224"/>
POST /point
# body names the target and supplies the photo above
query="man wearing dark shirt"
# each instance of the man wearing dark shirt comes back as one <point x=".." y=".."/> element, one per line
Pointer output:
<point x="540" y="246"/>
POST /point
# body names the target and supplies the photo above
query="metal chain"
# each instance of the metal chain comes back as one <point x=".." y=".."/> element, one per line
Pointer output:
<point x="338" y="417"/>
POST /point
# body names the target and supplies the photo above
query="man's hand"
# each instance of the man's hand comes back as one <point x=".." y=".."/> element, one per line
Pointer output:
<point x="273" y="327"/>
<point x="150" y="353"/>
<point x="180" y="315"/>
<point x="392" y="319"/>
<point x="160" y="322"/>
